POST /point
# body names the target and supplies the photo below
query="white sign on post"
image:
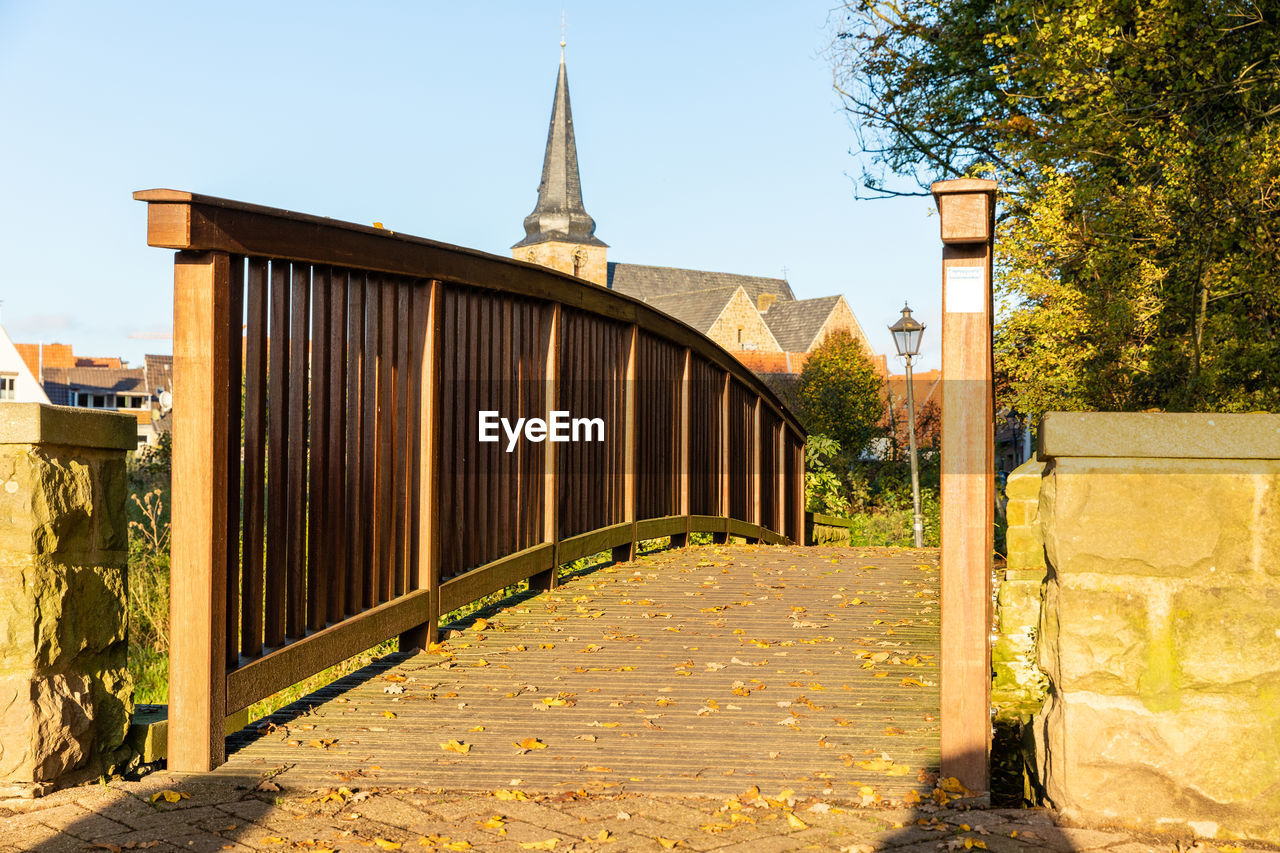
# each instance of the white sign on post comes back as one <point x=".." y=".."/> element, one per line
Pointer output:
<point x="966" y="289"/>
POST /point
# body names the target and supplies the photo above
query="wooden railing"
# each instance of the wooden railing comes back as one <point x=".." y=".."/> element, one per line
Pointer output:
<point x="330" y="489"/>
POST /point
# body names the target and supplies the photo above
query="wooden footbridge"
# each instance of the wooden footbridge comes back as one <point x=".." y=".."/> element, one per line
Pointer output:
<point x="334" y="486"/>
<point x="703" y="671"/>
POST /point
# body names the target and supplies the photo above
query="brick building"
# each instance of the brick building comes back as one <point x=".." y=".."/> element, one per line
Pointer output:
<point x="104" y="383"/>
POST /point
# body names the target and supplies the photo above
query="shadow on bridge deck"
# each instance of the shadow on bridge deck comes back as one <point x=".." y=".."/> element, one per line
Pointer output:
<point x="701" y="671"/>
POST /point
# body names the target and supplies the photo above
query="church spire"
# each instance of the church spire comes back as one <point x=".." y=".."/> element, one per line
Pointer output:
<point x="559" y="215"/>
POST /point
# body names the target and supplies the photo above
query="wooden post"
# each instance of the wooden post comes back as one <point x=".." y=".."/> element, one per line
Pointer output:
<point x="780" y="474"/>
<point x="198" y="552"/>
<point x="623" y="553"/>
<point x="681" y="540"/>
<point x="722" y="537"/>
<point x="549" y="579"/>
<point x="757" y="460"/>
<point x="967" y="212"/>
<point x="426" y="339"/>
<point x="797" y="509"/>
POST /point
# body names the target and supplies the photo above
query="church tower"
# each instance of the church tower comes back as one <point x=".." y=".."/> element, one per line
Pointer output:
<point x="559" y="233"/>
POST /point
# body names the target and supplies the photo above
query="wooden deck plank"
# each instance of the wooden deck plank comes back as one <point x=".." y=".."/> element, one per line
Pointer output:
<point x="646" y="657"/>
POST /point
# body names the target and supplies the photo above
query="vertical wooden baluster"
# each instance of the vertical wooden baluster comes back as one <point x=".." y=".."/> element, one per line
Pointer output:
<point x="462" y="450"/>
<point x="681" y="540"/>
<point x="721" y="537"/>
<point x="235" y="353"/>
<point x="335" y="525"/>
<point x="197" y="668"/>
<point x="519" y="487"/>
<point x="797" y="454"/>
<point x="753" y="463"/>
<point x="386" y="474"/>
<point x="550" y="464"/>
<point x="404" y="435"/>
<point x="368" y="509"/>
<point x="480" y="344"/>
<point x="780" y="477"/>
<point x="356" y="510"/>
<point x="450" y="445"/>
<point x="255" y="458"/>
<point x="414" y="332"/>
<point x="628" y="400"/>
<point x="319" y="565"/>
<point x="427" y="328"/>
<point x="277" y="456"/>
<point x="299" y="327"/>
<point x="504" y="485"/>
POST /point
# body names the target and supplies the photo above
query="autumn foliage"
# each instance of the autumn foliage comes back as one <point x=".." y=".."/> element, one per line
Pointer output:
<point x="1137" y="148"/>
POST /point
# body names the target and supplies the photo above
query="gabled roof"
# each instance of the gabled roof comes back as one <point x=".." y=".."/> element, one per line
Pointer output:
<point x="697" y="308"/>
<point x="108" y="380"/>
<point x="559" y="214"/>
<point x="645" y="282"/>
<point x="796" y="323"/>
<point x="27" y="388"/>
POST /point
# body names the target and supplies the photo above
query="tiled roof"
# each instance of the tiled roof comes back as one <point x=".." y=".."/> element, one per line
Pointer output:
<point x="108" y="380"/>
<point x="795" y="323"/>
<point x="159" y="372"/>
<point x="644" y="282"/>
<point x="772" y="362"/>
<point x="698" y="308"/>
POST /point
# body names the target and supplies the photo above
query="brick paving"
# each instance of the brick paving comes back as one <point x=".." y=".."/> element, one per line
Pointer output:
<point x="228" y="813"/>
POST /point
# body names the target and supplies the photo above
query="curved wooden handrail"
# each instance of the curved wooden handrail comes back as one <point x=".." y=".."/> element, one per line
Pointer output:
<point x="330" y="486"/>
<point x="182" y="220"/>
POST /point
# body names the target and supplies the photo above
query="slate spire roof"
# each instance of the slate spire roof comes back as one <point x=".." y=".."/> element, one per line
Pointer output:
<point x="559" y="214"/>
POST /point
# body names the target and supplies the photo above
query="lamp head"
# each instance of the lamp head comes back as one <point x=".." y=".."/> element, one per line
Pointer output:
<point x="907" y="333"/>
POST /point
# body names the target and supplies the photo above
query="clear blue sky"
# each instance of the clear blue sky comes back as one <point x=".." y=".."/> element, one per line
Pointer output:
<point x="708" y="136"/>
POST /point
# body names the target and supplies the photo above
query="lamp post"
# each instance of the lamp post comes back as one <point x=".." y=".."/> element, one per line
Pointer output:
<point x="906" y="337"/>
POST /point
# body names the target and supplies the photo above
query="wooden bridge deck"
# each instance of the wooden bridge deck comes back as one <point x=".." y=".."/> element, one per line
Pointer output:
<point x="700" y="671"/>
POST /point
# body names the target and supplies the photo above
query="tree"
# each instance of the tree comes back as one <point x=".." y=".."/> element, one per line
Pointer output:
<point x="839" y="394"/>
<point x="1137" y="145"/>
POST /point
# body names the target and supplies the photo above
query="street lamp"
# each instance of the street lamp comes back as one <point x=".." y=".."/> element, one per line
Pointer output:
<point x="906" y="337"/>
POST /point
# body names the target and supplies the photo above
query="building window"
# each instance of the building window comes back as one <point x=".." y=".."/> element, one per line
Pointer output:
<point x="8" y="386"/>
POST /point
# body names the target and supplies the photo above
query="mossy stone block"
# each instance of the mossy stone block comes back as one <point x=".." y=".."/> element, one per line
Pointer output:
<point x="1227" y="638"/>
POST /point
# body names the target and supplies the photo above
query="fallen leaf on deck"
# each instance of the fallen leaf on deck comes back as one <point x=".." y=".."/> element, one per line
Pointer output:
<point x="510" y="795"/>
<point x="456" y="746"/>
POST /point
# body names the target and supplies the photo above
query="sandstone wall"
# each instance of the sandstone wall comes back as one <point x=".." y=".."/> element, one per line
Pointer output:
<point x="1018" y="685"/>
<point x="740" y="327"/>
<point x="1160" y="631"/>
<point x="588" y="262"/>
<point x="65" y="695"/>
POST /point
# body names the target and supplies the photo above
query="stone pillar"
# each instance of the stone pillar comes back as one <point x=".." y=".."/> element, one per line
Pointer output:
<point x="1018" y="685"/>
<point x="65" y="692"/>
<point x="1160" y="631"/>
